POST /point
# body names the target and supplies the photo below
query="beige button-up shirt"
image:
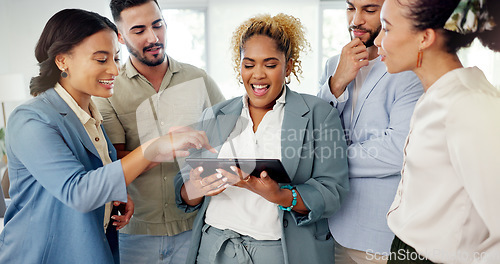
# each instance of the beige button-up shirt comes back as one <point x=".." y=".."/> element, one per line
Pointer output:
<point x="136" y="113"/>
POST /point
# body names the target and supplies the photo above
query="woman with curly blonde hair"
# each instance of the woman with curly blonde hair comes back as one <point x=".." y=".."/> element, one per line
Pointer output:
<point x="253" y="219"/>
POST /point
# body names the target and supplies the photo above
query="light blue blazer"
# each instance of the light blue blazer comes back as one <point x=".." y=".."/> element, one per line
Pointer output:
<point x="309" y="127"/>
<point x="376" y="137"/>
<point x="58" y="187"/>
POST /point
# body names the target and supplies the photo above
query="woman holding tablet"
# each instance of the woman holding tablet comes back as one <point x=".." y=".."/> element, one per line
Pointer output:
<point x="253" y="219"/>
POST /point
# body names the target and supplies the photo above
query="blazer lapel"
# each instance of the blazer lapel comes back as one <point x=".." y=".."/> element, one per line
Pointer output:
<point x="293" y="131"/>
<point x="222" y="126"/>
<point x="70" y="119"/>
<point x="373" y="77"/>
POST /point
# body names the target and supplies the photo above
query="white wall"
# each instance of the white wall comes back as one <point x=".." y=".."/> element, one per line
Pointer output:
<point x="226" y="15"/>
<point x="22" y="23"/>
<point x="3" y="42"/>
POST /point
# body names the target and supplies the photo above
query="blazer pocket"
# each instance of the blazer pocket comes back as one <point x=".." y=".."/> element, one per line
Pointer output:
<point x="322" y="231"/>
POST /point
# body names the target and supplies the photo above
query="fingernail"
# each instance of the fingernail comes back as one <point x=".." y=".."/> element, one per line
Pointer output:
<point x="218" y="170"/>
<point x="225" y="186"/>
<point x="200" y="169"/>
<point x="114" y="218"/>
<point x="233" y="168"/>
<point x="224" y="179"/>
<point x="264" y="174"/>
<point x="219" y="175"/>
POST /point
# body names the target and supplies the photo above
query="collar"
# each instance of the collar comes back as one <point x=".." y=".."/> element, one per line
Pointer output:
<point x="79" y="112"/>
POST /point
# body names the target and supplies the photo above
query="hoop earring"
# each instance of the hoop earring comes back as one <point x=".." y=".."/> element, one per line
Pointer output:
<point x="64" y="74"/>
<point x="420" y="58"/>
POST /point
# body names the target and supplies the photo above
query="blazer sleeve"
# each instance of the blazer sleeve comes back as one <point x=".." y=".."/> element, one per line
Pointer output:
<point x="382" y="155"/>
<point x="38" y="144"/>
<point x="328" y="185"/>
<point x="324" y="86"/>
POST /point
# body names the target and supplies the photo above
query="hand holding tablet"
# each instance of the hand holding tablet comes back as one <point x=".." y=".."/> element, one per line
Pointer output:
<point x="254" y="167"/>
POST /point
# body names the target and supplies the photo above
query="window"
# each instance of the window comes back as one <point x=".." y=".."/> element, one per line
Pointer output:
<point x="484" y="58"/>
<point x="186" y="38"/>
<point x="334" y="32"/>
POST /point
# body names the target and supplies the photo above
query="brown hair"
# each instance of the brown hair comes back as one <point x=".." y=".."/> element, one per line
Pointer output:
<point x="63" y="31"/>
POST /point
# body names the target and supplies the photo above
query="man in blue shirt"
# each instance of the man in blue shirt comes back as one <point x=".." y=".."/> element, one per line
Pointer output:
<point x="375" y="108"/>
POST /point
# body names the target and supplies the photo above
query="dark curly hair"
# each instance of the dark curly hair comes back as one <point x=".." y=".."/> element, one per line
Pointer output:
<point x="63" y="31"/>
<point x="434" y="14"/>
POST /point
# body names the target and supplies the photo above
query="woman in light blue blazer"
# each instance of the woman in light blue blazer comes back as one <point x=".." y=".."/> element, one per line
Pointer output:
<point x="56" y="150"/>
<point x="248" y="219"/>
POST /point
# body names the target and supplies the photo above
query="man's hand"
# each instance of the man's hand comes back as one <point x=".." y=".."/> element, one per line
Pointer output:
<point x="126" y="211"/>
<point x="354" y="56"/>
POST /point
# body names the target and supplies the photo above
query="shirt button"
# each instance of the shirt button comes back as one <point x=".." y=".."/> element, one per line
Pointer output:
<point x="96" y="138"/>
<point x="162" y="123"/>
<point x="165" y="178"/>
<point x="285" y="223"/>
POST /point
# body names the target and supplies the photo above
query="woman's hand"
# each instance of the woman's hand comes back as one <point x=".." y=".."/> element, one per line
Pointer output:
<point x="175" y="144"/>
<point x="126" y="211"/>
<point x="197" y="187"/>
<point x="265" y="187"/>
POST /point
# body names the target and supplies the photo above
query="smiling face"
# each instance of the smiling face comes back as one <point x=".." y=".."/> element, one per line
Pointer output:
<point x="143" y="31"/>
<point x="398" y="42"/>
<point x="363" y="17"/>
<point x="92" y="66"/>
<point x="263" y="70"/>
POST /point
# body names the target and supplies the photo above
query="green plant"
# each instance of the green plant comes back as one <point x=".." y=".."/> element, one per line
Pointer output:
<point x="3" y="150"/>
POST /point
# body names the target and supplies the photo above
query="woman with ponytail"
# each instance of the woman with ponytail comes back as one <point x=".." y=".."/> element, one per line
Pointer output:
<point x="62" y="166"/>
<point x="446" y="206"/>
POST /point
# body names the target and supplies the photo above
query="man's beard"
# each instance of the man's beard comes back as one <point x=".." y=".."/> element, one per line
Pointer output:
<point x="159" y="59"/>
<point x="373" y="34"/>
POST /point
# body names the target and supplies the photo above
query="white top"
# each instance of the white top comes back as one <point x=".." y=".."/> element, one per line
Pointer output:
<point x="237" y="208"/>
<point x="92" y="125"/>
<point x="446" y="206"/>
<point x="359" y="80"/>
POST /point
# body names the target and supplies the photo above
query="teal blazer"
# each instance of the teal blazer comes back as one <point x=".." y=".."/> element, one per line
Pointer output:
<point x="58" y="187"/>
<point x="313" y="152"/>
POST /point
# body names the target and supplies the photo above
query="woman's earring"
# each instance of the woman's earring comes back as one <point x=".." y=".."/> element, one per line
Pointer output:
<point x="419" y="58"/>
<point x="64" y="74"/>
<point x="288" y="79"/>
<point x="240" y="80"/>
